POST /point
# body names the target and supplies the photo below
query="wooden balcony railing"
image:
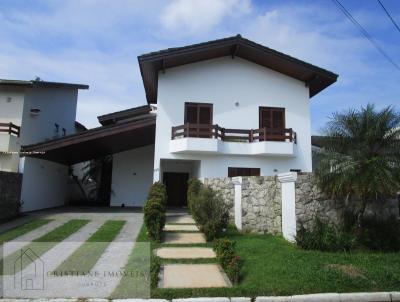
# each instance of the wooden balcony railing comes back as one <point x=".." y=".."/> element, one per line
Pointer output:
<point x="233" y="135"/>
<point x="10" y="128"/>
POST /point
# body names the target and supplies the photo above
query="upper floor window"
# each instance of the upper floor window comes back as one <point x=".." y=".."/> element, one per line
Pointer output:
<point x="272" y="119"/>
<point x="198" y="113"/>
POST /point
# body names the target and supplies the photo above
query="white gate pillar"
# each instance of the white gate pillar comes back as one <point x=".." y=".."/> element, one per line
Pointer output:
<point x="237" y="181"/>
<point x="288" y="181"/>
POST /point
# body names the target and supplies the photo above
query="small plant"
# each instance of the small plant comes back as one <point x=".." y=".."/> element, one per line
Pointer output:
<point x="225" y="251"/>
<point x="324" y="236"/>
<point x="154" y="211"/>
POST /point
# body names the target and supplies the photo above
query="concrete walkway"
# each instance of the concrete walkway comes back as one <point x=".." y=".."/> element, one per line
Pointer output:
<point x="188" y="275"/>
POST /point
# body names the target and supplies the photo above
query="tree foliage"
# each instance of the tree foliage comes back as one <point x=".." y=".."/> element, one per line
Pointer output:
<point x="361" y="155"/>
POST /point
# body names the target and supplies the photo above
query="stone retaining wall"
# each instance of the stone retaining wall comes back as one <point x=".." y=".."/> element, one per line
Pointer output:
<point x="262" y="202"/>
<point x="10" y="195"/>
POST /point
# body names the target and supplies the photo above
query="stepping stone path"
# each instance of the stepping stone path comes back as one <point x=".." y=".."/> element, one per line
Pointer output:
<point x="182" y="230"/>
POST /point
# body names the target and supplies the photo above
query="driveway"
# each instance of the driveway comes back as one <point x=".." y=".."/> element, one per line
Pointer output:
<point x="95" y="284"/>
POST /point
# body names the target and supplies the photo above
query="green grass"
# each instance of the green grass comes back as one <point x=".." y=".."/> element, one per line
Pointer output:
<point x="272" y="266"/>
<point x="87" y="255"/>
<point x="42" y="244"/>
<point x="22" y="229"/>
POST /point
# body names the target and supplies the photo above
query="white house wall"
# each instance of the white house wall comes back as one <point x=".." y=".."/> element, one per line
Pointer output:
<point x="44" y="184"/>
<point x="224" y="82"/>
<point x="57" y="106"/>
<point x="132" y="176"/>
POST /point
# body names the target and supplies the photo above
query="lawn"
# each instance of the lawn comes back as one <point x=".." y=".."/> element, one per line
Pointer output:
<point x="272" y="266"/>
<point x="87" y="255"/>
<point x="22" y="229"/>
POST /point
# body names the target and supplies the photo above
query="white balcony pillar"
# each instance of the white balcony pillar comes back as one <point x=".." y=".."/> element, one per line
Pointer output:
<point x="288" y="181"/>
<point x="237" y="181"/>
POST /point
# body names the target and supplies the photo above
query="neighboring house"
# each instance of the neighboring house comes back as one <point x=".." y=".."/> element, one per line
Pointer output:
<point x="224" y="108"/>
<point x="33" y="112"/>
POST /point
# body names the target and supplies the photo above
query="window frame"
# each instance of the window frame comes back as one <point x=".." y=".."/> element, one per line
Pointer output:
<point x="198" y="106"/>
<point x="279" y="109"/>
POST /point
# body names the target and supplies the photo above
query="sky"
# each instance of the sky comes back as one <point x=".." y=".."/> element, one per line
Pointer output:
<point x="96" y="42"/>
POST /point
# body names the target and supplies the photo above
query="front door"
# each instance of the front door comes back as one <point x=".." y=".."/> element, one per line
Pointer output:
<point x="176" y="184"/>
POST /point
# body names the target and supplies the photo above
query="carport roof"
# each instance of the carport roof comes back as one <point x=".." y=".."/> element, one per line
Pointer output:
<point x="95" y="142"/>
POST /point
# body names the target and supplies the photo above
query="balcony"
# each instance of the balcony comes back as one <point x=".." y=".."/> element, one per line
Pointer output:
<point x="9" y="134"/>
<point x="213" y="139"/>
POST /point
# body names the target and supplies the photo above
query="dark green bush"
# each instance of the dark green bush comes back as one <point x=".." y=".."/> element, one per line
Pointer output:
<point x="154" y="211"/>
<point x="210" y="212"/>
<point x="233" y="269"/>
<point x="194" y="187"/>
<point x="225" y="251"/>
<point x="380" y="234"/>
<point x="324" y="236"/>
<point x="155" y="265"/>
<point x="158" y="190"/>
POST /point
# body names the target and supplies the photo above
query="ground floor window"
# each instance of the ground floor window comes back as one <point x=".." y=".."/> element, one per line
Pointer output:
<point x="234" y="171"/>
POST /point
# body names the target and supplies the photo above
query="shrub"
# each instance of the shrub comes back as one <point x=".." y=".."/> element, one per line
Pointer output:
<point x="233" y="269"/>
<point x="194" y="186"/>
<point x="210" y="212"/>
<point x="225" y="251"/>
<point x="380" y="234"/>
<point x="155" y="265"/>
<point x="158" y="190"/>
<point x="324" y="236"/>
<point x="154" y="211"/>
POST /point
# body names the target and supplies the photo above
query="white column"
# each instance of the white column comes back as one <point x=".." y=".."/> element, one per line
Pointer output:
<point x="288" y="181"/>
<point x="237" y="181"/>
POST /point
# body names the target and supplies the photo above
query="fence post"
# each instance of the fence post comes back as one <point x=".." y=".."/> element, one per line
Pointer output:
<point x="288" y="191"/>
<point x="9" y="128"/>
<point x="251" y="136"/>
<point x="237" y="181"/>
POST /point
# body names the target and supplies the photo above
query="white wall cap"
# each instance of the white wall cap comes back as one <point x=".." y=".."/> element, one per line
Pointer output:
<point x="237" y="180"/>
<point x="287" y="177"/>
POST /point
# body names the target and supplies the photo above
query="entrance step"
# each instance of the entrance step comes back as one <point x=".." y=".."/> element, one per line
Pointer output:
<point x="192" y="276"/>
<point x="183" y="238"/>
<point x="174" y="218"/>
<point x="181" y="227"/>
<point x="185" y="253"/>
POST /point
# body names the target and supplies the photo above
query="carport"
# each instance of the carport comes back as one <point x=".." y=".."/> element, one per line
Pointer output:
<point x="47" y="164"/>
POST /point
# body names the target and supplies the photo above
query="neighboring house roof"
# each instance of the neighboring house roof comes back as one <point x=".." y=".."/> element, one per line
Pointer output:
<point x="97" y="142"/>
<point x="316" y="141"/>
<point x="80" y="126"/>
<point x="150" y="64"/>
<point x="41" y="84"/>
<point x="131" y="113"/>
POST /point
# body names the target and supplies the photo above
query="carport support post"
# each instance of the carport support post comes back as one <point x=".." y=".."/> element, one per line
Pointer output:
<point x="288" y="181"/>
<point x="237" y="181"/>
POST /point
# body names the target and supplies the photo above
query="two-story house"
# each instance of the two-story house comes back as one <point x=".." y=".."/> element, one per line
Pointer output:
<point x="224" y="108"/>
<point x="33" y="112"/>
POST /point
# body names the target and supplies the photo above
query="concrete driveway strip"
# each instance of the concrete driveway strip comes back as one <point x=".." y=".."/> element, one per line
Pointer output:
<point x="21" y="241"/>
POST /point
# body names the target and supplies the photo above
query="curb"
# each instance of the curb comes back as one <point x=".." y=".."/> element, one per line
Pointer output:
<point x="328" y="297"/>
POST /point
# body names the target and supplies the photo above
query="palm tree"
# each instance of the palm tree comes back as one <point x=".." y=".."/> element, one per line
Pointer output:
<point x="361" y="156"/>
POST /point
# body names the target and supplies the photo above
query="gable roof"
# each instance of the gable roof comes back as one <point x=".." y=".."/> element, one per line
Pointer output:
<point x="41" y="84"/>
<point x="314" y="77"/>
<point x="112" y="118"/>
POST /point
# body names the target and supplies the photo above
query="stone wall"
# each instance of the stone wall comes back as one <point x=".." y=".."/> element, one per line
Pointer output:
<point x="261" y="201"/>
<point x="310" y="202"/>
<point x="10" y="195"/>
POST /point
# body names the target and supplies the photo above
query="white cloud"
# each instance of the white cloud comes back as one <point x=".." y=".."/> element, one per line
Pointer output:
<point x="199" y="16"/>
